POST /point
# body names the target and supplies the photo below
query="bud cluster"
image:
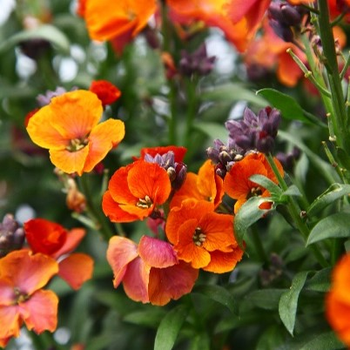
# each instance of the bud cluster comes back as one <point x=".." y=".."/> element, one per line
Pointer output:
<point x="196" y="63"/>
<point x="176" y="170"/>
<point x="283" y="17"/>
<point x="11" y="235"/>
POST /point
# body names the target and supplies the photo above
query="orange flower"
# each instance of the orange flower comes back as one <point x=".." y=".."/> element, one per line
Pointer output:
<point x="150" y="271"/>
<point x="269" y="51"/>
<point x="22" y="277"/>
<point x="238" y="19"/>
<point x="52" y="239"/>
<point x="338" y="300"/>
<point x="119" y="21"/>
<point x="105" y="91"/>
<point x="69" y="128"/>
<point x="203" y="238"/>
<point x="237" y="184"/>
<point x="204" y="186"/>
<point x="135" y="191"/>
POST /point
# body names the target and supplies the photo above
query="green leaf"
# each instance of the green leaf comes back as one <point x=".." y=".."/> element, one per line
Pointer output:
<point x="47" y="32"/>
<point x="247" y="215"/>
<point x="321" y="281"/>
<point x="150" y="317"/>
<point x="289" y="108"/>
<point x="267" y="299"/>
<point x="272" y="338"/>
<point x="232" y="92"/>
<point x="218" y="294"/>
<point x="169" y="328"/>
<point x="200" y="342"/>
<point x="334" y="192"/>
<point x="288" y="303"/>
<point x="292" y="191"/>
<point x="213" y="130"/>
<point x="333" y="226"/>
<point x="265" y="182"/>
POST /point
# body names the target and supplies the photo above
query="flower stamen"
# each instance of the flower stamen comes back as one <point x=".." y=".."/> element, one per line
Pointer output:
<point x="199" y="237"/>
<point x="77" y="144"/>
<point x="144" y="203"/>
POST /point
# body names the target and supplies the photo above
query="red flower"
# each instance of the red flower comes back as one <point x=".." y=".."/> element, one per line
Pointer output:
<point x="105" y="91"/>
<point x="52" y="239"/>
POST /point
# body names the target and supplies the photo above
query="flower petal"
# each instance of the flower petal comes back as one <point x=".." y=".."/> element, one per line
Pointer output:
<point x="40" y="311"/>
<point x="7" y="295"/>
<point x="135" y="281"/>
<point x="10" y="323"/>
<point x="74" y="237"/>
<point x="121" y="251"/>
<point x="221" y="262"/>
<point x="102" y="139"/>
<point x="171" y="283"/>
<point x="28" y="272"/>
<point x="76" y="269"/>
<point x="156" y="253"/>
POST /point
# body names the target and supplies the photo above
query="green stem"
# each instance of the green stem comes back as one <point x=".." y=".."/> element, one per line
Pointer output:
<point x="191" y="87"/>
<point x="94" y="212"/>
<point x="338" y="115"/>
<point x="294" y="212"/>
<point x="259" y="248"/>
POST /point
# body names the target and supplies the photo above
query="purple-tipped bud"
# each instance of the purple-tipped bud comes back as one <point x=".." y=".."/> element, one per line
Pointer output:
<point x="288" y="159"/>
<point x="181" y="172"/>
<point x="44" y="100"/>
<point x="11" y="235"/>
<point x="282" y="31"/>
<point x="291" y="15"/>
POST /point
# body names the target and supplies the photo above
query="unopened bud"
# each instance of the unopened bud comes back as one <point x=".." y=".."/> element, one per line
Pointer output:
<point x="11" y="235"/>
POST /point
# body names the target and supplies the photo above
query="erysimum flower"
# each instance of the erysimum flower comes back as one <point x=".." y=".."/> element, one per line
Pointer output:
<point x="52" y="239"/>
<point x="105" y="91"/>
<point x="119" y="21"/>
<point x="205" y="185"/>
<point x="237" y="184"/>
<point x="203" y="238"/>
<point x="239" y="19"/>
<point x="338" y="300"/>
<point x="22" y="277"/>
<point x="150" y="271"/>
<point x="135" y="191"/>
<point x="69" y="128"/>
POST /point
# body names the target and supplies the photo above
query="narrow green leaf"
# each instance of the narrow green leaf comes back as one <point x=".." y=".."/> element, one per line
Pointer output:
<point x="247" y="215"/>
<point x="333" y="226"/>
<point x="265" y="182"/>
<point x="233" y="92"/>
<point x="288" y="303"/>
<point x="272" y="338"/>
<point x="324" y="341"/>
<point x="292" y="191"/>
<point x="213" y="130"/>
<point x="289" y="108"/>
<point x="150" y="317"/>
<point x="334" y="192"/>
<point x="267" y="299"/>
<point x="321" y="281"/>
<point x="200" y="342"/>
<point x="48" y="32"/>
<point x="169" y="328"/>
<point x="218" y="294"/>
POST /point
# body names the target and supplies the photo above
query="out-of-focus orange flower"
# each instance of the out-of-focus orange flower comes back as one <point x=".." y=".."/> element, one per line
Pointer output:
<point x="204" y="186"/>
<point x="52" y="239"/>
<point x="22" y="299"/>
<point x="238" y="19"/>
<point x="338" y="300"/>
<point x="69" y="128"/>
<point x="237" y="184"/>
<point x="135" y="191"/>
<point x="105" y="91"/>
<point x="269" y="51"/>
<point x="118" y="21"/>
<point x="203" y="238"/>
<point x="150" y="271"/>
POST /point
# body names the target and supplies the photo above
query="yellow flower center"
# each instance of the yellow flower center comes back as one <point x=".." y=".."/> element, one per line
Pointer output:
<point x="77" y="144"/>
<point x="20" y="296"/>
<point x="199" y="237"/>
<point x="144" y="203"/>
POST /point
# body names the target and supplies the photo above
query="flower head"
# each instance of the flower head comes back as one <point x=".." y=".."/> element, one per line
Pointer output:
<point x="203" y="238"/>
<point x="149" y="271"/>
<point x="22" y="299"/>
<point x="238" y="185"/>
<point x="52" y="239"/>
<point x="105" y="91"/>
<point x="135" y="191"/>
<point x="69" y="128"/>
<point x="338" y="300"/>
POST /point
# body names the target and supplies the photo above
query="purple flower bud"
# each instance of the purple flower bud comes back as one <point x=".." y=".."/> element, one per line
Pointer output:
<point x="44" y="100"/>
<point x="291" y="15"/>
<point x="11" y="235"/>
